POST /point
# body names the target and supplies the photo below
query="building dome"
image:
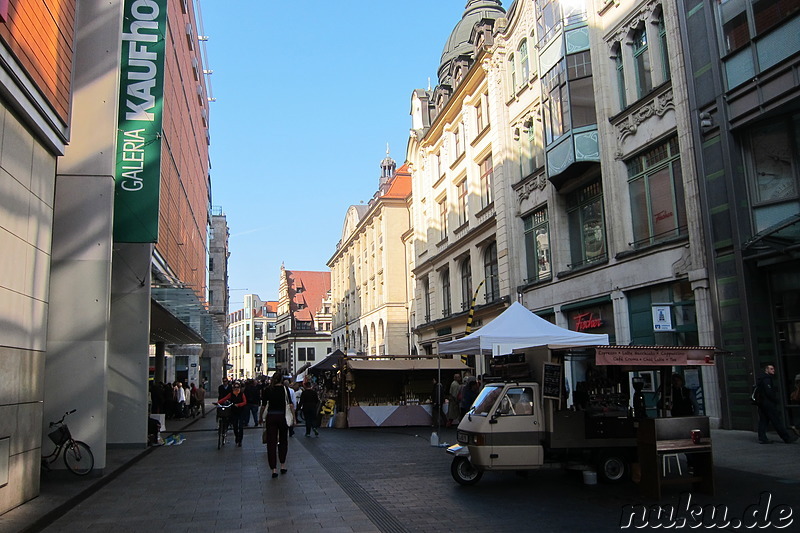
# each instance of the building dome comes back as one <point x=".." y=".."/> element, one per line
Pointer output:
<point x="458" y="43"/>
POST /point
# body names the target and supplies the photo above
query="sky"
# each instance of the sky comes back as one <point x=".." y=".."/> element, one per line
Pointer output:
<point x="308" y="94"/>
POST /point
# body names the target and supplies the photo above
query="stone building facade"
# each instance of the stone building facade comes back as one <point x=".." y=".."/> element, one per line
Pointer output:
<point x="370" y="271"/>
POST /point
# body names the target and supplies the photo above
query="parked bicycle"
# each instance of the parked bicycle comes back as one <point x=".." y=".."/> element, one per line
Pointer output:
<point x="78" y="457"/>
<point x="224" y="413"/>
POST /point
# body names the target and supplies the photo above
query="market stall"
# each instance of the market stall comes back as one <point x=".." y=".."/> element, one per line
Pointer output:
<point x="599" y="396"/>
<point x="393" y="391"/>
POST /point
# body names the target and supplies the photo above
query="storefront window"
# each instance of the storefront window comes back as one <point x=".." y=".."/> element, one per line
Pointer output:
<point x="586" y="225"/>
<point x="537" y="245"/>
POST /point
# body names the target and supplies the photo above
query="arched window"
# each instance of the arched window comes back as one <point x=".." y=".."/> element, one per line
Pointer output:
<point x="446" y="302"/>
<point x="623" y="100"/>
<point x="426" y="298"/>
<point x="662" y="42"/>
<point x="466" y="284"/>
<point x="641" y="61"/>
<point x="524" y="69"/>
<point x="490" y="273"/>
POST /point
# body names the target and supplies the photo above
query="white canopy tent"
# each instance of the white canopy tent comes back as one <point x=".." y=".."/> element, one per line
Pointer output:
<point x="516" y="328"/>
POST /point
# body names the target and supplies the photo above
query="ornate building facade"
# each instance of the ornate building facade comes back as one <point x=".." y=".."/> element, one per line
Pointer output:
<point x="370" y="271"/>
<point x="455" y="153"/>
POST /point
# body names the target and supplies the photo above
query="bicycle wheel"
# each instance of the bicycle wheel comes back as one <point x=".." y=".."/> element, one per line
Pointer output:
<point x="78" y="457"/>
<point x="221" y="433"/>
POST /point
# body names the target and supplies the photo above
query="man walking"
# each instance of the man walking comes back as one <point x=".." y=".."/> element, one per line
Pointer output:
<point x="767" y="397"/>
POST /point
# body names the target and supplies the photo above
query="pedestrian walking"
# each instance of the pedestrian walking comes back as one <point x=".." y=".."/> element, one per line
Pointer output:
<point x="239" y="400"/>
<point x="309" y="404"/>
<point x="767" y="401"/>
<point x="200" y="392"/>
<point x="274" y="400"/>
<point x="253" y="400"/>
<point x="293" y="398"/>
<point x="224" y="389"/>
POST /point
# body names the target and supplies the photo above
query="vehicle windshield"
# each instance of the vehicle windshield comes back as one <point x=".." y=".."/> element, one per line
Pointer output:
<point x="486" y="399"/>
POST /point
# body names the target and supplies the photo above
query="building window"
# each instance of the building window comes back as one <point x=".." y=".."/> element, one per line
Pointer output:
<point x="443" y="218"/>
<point x="623" y="100"/>
<point x="301" y="354"/>
<point x="662" y="41"/>
<point x="210" y="297"/>
<point x="461" y="189"/>
<point x="586" y="225"/>
<point x="459" y="140"/>
<point x="524" y="69"/>
<point x="303" y="324"/>
<point x="537" y="245"/>
<point x="556" y="110"/>
<point x="482" y="114"/>
<point x="773" y="149"/>
<point x="658" y="209"/>
<point x="490" y="273"/>
<point x="466" y="284"/>
<point x="446" y="302"/>
<point x="435" y="170"/>
<point x="641" y="60"/>
<point x="581" y="89"/>
<point x="311" y="354"/>
<point x="529" y="151"/>
<point x="512" y="74"/>
<point x="211" y="264"/>
<point x="426" y="297"/>
<point x="487" y="178"/>
<point x="548" y="17"/>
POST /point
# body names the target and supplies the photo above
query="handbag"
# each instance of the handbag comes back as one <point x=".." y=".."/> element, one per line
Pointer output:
<point x="289" y="409"/>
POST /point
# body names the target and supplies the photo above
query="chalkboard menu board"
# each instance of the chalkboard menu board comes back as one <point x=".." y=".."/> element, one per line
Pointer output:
<point x="551" y="381"/>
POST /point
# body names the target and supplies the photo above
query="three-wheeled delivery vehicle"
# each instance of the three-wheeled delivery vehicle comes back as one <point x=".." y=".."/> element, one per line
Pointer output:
<point x="509" y="427"/>
<point x="569" y="407"/>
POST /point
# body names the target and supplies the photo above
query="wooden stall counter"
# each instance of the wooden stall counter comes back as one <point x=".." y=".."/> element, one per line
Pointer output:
<point x="660" y="440"/>
<point x="389" y="415"/>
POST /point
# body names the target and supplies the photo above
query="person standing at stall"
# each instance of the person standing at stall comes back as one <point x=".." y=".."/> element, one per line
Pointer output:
<point x="768" y="407"/>
<point x="453" y="411"/>
<point x="681" y="398"/>
<point x="437" y="403"/>
<point x="309" y="404"/>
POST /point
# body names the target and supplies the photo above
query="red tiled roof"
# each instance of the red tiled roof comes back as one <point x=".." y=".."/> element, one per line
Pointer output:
<point x="400" y="186"/>
<point x="313" y="288"/>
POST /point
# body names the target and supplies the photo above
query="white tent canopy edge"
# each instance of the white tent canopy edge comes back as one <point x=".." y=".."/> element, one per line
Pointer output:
<point x="516" y="328"/>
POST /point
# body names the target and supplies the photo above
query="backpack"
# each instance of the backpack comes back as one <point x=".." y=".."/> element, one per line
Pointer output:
<point x="755" y="396"/>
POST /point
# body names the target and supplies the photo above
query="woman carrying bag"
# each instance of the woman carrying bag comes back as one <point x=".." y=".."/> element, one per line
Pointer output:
<point x="278" y="407"/>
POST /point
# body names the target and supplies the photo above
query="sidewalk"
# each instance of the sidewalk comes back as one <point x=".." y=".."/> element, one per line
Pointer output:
<point x="61" y="490"/>
<point x="378" y="477"/>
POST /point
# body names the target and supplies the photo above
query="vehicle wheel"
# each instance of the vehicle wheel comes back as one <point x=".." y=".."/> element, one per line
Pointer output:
<point x="78" y="458"/>
<point x="612" y="468"/>
<point x="464" y="472"/>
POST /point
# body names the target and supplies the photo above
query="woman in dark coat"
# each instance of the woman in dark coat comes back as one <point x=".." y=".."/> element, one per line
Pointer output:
<point x="239" y="401"/>
<point x="273" y="400"/>
<point x="309" y="403"/>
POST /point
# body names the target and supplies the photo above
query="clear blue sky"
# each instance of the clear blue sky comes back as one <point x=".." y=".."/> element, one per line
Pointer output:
<point x="308" y="93"/>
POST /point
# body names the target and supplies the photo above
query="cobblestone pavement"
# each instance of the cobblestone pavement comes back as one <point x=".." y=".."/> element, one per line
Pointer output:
<point x="377" y="480"/>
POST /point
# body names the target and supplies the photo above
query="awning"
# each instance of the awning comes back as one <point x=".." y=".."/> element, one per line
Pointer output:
<point x="407" y="364"/>
<point x="331" y="362"/>
<point x="183" y="317"/>
<point x="655" y="355"/>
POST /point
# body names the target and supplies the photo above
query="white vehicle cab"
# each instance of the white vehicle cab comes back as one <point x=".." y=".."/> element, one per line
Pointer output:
<point x="507" y="429"/>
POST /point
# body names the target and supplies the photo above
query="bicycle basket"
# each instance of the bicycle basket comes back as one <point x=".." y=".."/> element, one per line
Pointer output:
<point x="225" y="411"/>
<point x="59" y="435"/>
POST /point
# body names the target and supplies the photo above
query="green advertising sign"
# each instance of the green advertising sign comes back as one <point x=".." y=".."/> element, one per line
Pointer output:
<point x="141" y="93"/>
